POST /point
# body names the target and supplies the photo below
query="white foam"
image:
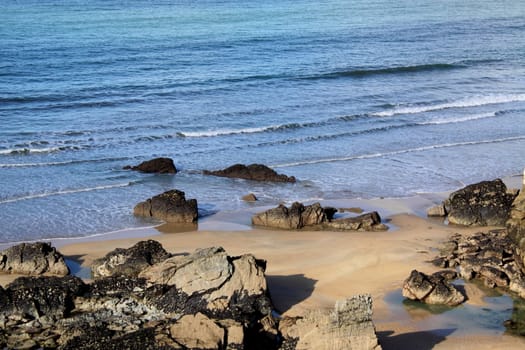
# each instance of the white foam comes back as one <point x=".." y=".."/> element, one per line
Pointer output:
<point x="58" y="193"/>
<point x="459" y="119"/>
<point x="474" y="101"/>
<point x="408" y="150"/>
<point x="225" y="132"/>
<point x="29" y="150"/>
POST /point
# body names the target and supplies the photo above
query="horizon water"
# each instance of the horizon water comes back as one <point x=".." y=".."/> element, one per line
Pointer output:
<point x="358" y="99"/>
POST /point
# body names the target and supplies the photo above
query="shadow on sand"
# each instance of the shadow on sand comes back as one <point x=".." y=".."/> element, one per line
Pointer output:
<point x="286" y="291"/>
<point x="422" y="340"/>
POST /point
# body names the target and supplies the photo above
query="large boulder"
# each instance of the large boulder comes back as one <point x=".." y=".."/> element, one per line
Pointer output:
<point x="432" y="289"/>
<point x="348" y="326"/>
<point x="157" y="165"/>
<point x="486" y="203"/>
<point x="257" y="172"/>
<point x="170" y="206"/>
<point x="314" y="216"/>
<point x="33" y="259"/>
<point x="129" y="262"/>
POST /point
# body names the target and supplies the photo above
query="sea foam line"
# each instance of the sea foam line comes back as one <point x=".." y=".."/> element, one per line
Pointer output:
<point x="459" y="119"/>
<point x="386" y="154"/>
<point x="463" y="103"/>
<point x="58" y="193"/>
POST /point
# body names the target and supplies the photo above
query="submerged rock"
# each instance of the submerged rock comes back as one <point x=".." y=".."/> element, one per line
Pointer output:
<point x="486" y="203"/>
<point x="33" y="259"/>
<point x="170" y="206"/>
<point x="156" y="165"/>
<point x="257" y="172"/>
<point x="431" y="289"/>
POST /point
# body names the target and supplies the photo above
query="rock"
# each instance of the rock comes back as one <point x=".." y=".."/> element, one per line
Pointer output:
<point x="348" y="326"/>
<point x="257" y="172"/>
<point x="316" y="217"/>
<point x="129" y="262"/>
<point x="433" y="289"/>
<point x="438" y="211"/>
<point x="33" y="259"/>
<point x="366" y="222"/>
<point x="157" y="165"/>
<point x="170" y="206"/>
<point x="197" y="332"/>
<point x="483" y="204"/>
<point x="249" y="198"/>
<point x="516" y="223"/>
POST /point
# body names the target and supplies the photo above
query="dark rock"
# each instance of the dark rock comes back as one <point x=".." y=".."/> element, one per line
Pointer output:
<point x="257" y="172"/>
<point x="157" y="165"/>
<point x="170" y="206"/>
<point x="516" y="224"/>
<point x="129" y="262"/>
<point x="433" y="289"/>
<point x="33" y="259"/>
<point x="366" y="222"/>
<point x="486" y="203"/>
<point x="35" y="297"/>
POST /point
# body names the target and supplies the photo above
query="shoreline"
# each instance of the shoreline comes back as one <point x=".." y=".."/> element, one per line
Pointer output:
<point x="312" y="269"/>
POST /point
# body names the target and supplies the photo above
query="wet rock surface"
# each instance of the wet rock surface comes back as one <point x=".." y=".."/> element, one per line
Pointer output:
<point x="156" y="165"/>
<point x="170" y="206"/>
<point x="256" y="172"/>
<point x="432" y="289"/>
<point x="314" y="216"/>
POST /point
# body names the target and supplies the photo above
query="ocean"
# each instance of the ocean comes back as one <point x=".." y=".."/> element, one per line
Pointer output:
<point x="356" y="99"/>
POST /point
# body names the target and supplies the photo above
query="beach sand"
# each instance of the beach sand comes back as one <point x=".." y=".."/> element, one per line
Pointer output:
<point x="313" y="269"/>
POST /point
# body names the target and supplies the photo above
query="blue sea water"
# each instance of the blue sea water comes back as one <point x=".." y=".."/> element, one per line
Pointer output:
<point x="354" y="98"/>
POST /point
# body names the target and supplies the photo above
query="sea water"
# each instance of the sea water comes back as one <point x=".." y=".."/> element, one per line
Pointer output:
<point x="356" y="99"/>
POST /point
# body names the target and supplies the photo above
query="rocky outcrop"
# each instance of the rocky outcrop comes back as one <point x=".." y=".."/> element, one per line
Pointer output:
<point x="129" y="262"/>
<point x="257" y="172"/>
<point x="33" y="259"/>
<point x="348" y="326"/>
<point x="487" y="256"/>
<point x="205" y="300"/>
<point x="250" y="197"/>
<point x="486" y="203"/>
<point x="314" y="216"/>
<point x="516" y="224"/>
<point x="432" y="289"/>
<point x="157" y="165"/>
<point x="170" y="206"/>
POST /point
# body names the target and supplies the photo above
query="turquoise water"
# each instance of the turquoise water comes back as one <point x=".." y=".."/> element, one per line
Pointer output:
<point x="355" y="99"/>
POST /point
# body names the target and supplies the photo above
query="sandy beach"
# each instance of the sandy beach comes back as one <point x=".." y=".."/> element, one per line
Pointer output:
<point x="313" y="269"/>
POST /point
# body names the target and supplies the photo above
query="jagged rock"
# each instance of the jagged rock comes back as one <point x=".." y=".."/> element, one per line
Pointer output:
<point x="157" y="165"/>
<point x="33" y="259"/>
<point x="438" y="211"/>
<point x="516" y="223"/>
<point x="257" y="172"/>
<point x="433" y="289"/>
<point x="348" y="326"/>
<point x="249" y="198"/>
<point x="366" y="222"/>
<point x="38" y="296"/>
<point x="314" y="216"/>
<point x="486" y="203"/>
<point x="170" y="206"/>
<point x="129" y="262"/>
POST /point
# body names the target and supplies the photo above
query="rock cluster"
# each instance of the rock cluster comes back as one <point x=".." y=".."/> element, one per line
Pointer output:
<point x="33" y="259"/>
<point x="348" y="326"/>
<point x="257" y="172"/>
<point x="488" y="256"/>
<point x="157" y="165"/>
<point x="516" y="223"/>
<point x="204" y="300"/>
<point x="433" y="289"/>
<point x="314" y="216"/>
<point x="170" y="206"/>
<point x="486" y="203"/>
